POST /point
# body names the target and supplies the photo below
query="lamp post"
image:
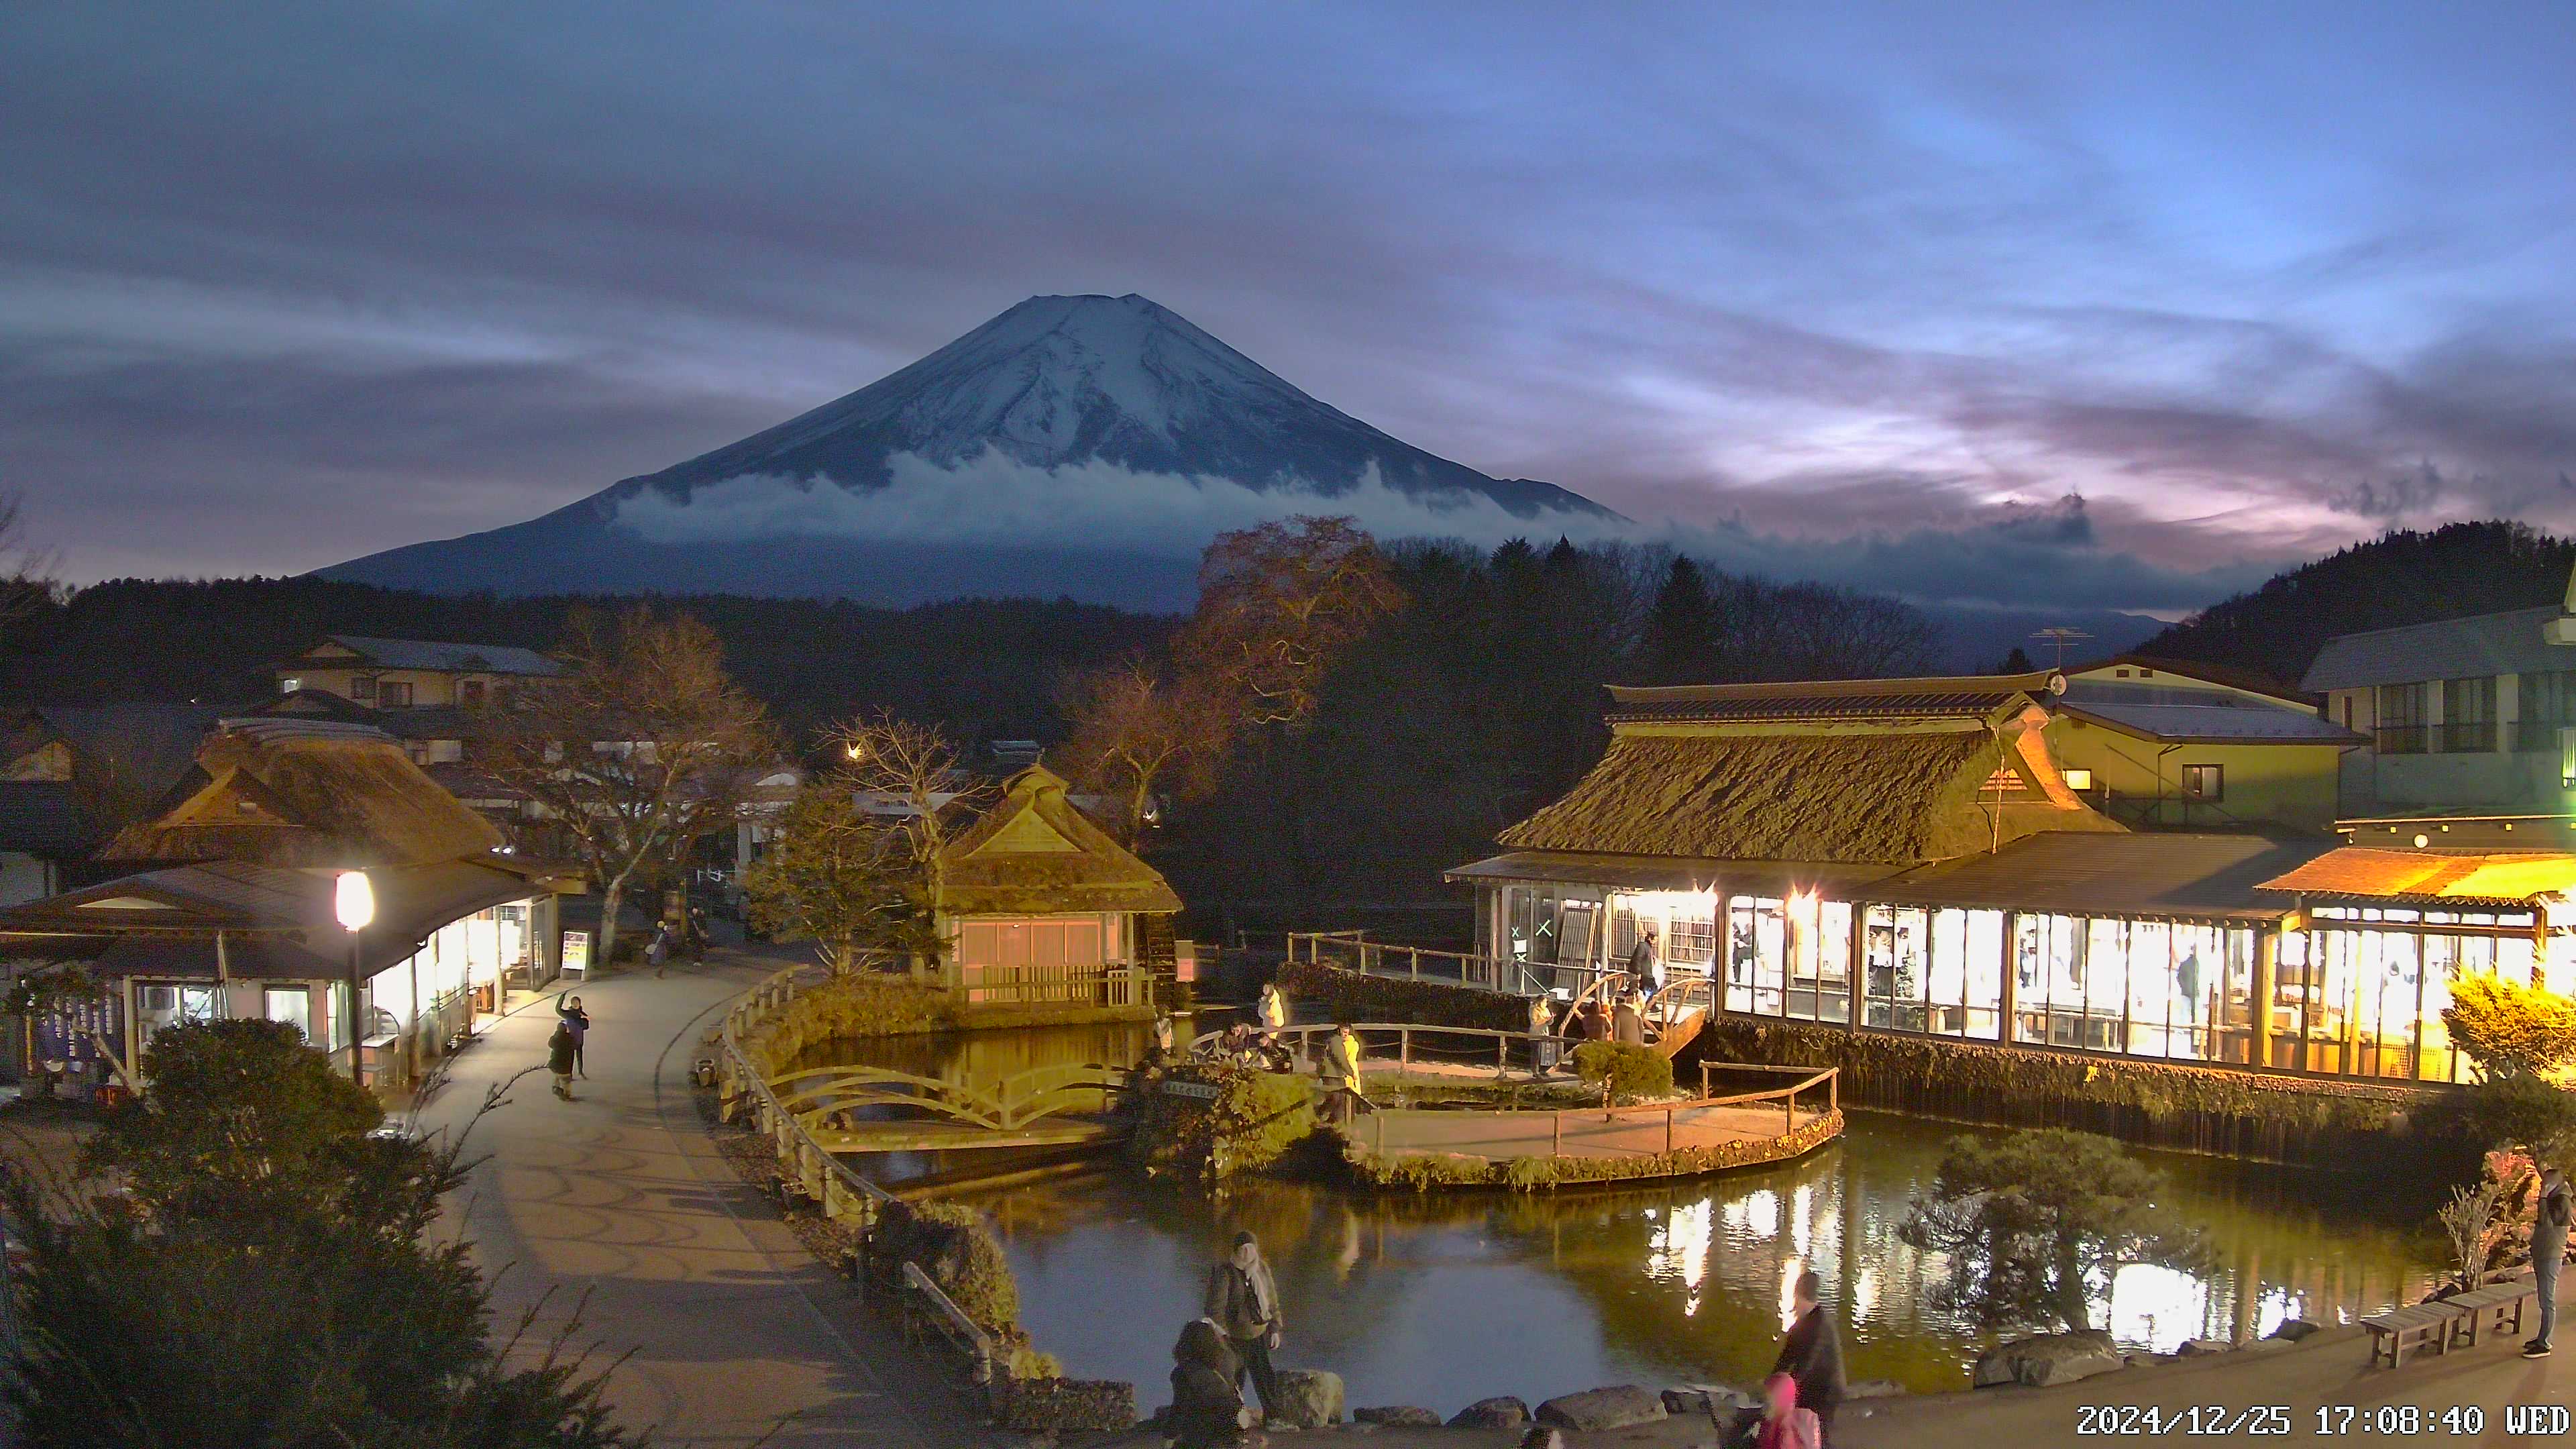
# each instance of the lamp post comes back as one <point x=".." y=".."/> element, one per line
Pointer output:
<point x="354" y="902"/>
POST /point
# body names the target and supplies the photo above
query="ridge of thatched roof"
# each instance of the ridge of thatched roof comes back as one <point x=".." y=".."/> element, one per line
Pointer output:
<point x="1889" y="796"/>
<point x="1035" y="853"/>
<point x="305" y="794"/>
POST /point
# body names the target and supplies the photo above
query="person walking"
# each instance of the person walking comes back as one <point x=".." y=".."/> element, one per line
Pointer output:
<point x="658" y="952"/>
<point x="1645" y="962"/>
<point x="1812" y="1355"/>
<point x="1207" y="1404"/>
<point x="1243" y="1302"/>
<point x="559" y="1057"/>
<point x="568" y="1011"/>
<point x="2549" y="1223"/>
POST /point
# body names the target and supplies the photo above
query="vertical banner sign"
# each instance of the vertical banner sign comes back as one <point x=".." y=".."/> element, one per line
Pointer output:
<point x="576" y="953"/>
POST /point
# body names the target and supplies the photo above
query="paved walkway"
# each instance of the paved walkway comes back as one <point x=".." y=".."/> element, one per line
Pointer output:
<point x="619" y="1195"/>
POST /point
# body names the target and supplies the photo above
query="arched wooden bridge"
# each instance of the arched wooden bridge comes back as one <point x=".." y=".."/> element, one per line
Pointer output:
<point x="1025" y="1109"/>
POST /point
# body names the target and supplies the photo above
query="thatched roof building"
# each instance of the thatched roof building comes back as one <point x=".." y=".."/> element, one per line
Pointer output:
<point x="1838" y="772"/>
<point x="304" y="793"/>
<point x="1034" y="853"/>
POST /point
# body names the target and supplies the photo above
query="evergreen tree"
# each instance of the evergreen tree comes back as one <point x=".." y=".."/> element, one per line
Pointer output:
<point x="1681" y="632"/>
<point x="2017" y="662"/>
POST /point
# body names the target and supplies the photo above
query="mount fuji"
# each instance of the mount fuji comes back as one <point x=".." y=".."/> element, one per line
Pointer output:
<point x="1082" y="446"/>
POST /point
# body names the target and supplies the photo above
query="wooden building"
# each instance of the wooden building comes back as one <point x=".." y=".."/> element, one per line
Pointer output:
<point x="1905" y="856"/>
<point x="228" y="911"/>
<point x="1038" y="905"/>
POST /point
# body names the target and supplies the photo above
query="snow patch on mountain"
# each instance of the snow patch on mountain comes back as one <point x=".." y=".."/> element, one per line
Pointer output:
<point x="994" y="498"/>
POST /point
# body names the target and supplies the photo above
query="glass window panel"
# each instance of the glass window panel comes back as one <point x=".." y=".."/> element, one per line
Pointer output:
<point x="2513" y="959"/>
<point x="2151" y="988"/>
<point x="1946" y="973"/>
<point x="1769" y="925"/>
<point x="1833" y="961"/>
<point x="1985" y="983"/>
<point x="2106" y="980"/>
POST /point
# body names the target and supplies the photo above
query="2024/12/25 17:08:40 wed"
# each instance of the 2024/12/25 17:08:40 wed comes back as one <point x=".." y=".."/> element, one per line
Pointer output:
<point x="2332" y="1420"/>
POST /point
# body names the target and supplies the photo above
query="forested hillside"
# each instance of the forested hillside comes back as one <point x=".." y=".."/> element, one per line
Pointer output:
<point x="979" y="668"/>
<point x="2401" y="577"/>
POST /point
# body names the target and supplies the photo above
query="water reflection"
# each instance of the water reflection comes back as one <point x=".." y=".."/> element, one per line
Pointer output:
<point x="1440" y="1300"/>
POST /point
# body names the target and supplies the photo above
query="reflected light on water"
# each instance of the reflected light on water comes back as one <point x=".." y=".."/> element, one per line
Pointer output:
<point x="1789" y="1272"/>
<point x="1679" y="1250"/>
<point x="2158" y="1307"/>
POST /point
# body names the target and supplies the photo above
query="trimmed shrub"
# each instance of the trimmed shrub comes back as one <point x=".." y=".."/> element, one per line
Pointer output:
<point x="1057" y="1405"/>
<point x="2510" y="1030"/>
<point x="1628" y="1073"/>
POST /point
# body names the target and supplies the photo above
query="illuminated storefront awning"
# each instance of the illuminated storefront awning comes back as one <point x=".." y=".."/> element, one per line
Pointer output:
<point x="2492" y="877"/>
<point x="2146" y="875"/>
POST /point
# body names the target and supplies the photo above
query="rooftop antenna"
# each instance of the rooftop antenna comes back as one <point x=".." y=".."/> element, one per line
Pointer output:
<point x="2060" y="636"/>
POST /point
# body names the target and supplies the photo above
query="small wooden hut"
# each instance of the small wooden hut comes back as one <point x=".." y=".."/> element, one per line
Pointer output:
<point x="1039" y="906"/>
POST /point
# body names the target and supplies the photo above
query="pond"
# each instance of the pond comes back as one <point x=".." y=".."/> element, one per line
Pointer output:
<point x="1440" y="1300"/>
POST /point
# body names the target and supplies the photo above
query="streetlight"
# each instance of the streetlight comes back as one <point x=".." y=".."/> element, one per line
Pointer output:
<point x="353" y="900"/>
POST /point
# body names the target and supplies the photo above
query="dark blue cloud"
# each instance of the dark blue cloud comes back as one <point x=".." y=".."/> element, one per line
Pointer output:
<point x="2240" y="277"/>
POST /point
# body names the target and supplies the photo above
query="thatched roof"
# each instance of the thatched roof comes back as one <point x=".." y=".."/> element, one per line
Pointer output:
<point x="1034" y="853"/>
<point x="294" y="793"/>
<point x="1890" y="796"/>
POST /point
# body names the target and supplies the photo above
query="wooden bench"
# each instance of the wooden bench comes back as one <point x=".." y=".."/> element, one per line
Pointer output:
<point x="2456" y="1321"/>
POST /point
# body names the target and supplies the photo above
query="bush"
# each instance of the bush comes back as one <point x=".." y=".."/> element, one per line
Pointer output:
<point x="1627" y="1073"/>
<point x="952" y="1243"/>
<point x="2510" y="1030"/>
<point x="849" y="1006"/>
<point x="276" y="1278"/>
<point x="1255" y="1120"/>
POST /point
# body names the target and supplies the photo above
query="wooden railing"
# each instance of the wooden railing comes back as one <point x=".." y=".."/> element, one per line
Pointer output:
<point x="830" y="1184"/>
<point x="1013" y="1102"/>
<point x="1354" y="951"/>
<point x="1406" y="1033"/>
<point x="1830" y="1078"/>
<point x="1111" y="985"/>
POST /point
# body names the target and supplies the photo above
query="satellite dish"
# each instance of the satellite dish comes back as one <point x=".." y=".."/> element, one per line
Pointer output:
<point x="2056" y="683"/>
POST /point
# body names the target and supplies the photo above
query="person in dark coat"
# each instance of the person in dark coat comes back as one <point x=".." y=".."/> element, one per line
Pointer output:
<point x="1243" y="1302"/>
<point x="559" y="1055"/>
<point x="1812" y="1354"/>
<point x="568" y="1010"/>
<point x="1207" y="1408"/>
<point x="2551" y="1219"/>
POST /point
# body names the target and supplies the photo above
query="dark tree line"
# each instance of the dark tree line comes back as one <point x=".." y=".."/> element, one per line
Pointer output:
<point x="982" y="668"/>
<point x="2401" y="577"/>
<point x="1475" y="701"/>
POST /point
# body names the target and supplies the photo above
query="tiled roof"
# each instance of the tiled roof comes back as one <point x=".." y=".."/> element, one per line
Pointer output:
<point x="2483" y="644"/>
<point x="451" y="658"/>
<point x="1954" y="696"/>
<point x="2212" y="724"/>
<point x="2192" y="877"/>
<point x="2355" y="870"/>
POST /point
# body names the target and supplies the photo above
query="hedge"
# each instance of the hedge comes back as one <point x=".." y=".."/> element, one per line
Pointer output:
<point x="848" y="1006"/>
<point x="1255" y="1119"/>
<point x="2233" y="1111"/>
<point x="1356" y="997"/>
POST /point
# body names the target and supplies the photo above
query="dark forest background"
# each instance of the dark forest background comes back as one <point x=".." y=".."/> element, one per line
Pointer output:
<point x="1476" y="702"/>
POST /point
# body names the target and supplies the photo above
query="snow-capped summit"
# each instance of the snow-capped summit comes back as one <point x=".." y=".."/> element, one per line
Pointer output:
<point x="1083" y="444"/>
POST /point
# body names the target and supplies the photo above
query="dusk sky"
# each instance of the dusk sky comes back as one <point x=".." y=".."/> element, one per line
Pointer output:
<point x="284" y="284"/>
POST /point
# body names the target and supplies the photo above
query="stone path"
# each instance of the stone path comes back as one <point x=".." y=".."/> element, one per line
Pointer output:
<point x="620" y="1196"/>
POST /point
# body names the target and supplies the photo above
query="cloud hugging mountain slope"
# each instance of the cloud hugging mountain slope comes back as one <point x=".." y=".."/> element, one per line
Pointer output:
<point x="1088" y="446"/>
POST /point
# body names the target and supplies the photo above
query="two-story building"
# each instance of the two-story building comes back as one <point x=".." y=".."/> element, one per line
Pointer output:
<point x="419" y="691"/>
<point x="2164" y="745"/>
<point x="2463" y="717"/>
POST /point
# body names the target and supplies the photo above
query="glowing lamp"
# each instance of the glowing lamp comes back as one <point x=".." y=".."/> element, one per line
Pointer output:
<point x="354" y="900"/>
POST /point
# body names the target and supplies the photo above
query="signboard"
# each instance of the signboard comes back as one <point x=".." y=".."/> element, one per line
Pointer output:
<point x="1204" y="1091"/>
<point x="576" y="954"/>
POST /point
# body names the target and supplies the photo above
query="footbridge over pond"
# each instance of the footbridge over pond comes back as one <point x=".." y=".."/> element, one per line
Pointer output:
<point x="853" y="1108"/>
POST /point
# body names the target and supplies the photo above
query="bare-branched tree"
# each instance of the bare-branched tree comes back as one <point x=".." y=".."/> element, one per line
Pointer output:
<point x="644" y="746"/>
<point x="1278" y="603"/>
<point x="1140" y="728"/>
